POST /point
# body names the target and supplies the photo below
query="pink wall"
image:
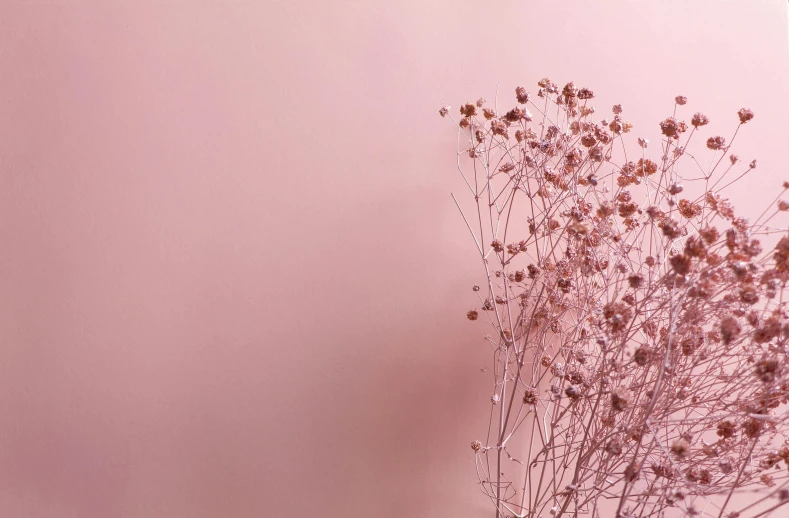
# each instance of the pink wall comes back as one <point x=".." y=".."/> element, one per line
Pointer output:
<point x="233" y="281"/>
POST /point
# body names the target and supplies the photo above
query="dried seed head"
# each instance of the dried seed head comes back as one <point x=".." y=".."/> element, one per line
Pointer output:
<point x="476" y="445"/>
<point x="753" y="427"/>
<point x="745" y="115"/>
<point x="709" y="234"/>
<point x="569" y="90"/>
<point x="671" y="229"/>
<point x="530" y="396"/>
<point x="767" y="369"/>
<point x="680" y="448"/>
<point x="699" y="120"/>
<point x="468" y="110"/>
<point x="681" y="264"/>
<point x="689" y="210"/>
<point x="620" y="399"/>
<point x="726" y="466"/>
<point x="572" y="392"/>
<point x="730" y="329"/>
<point x="632" y="472"/>
<point x="472" y="315"/>
<point x="614" y="446"/>
<point x="444" y="111"/>
<point x="522" y="95"/>
<point x="716" y="143"/>
<point x="618" y="315"/>
<point x="498" y="128"/>
<point x="585" y="93"/>
<point x="681" y="100"/>
<point x="642" y="355"/>
<point x="672" y="128"/>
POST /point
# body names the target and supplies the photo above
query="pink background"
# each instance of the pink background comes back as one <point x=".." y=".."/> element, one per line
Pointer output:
<point x="233" y="281"/>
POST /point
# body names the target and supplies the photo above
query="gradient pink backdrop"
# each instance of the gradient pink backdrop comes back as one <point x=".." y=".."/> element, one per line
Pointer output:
<point x="233" y="281"/>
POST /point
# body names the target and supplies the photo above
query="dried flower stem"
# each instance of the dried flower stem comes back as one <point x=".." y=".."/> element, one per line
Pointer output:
<point x="640" y="355"/>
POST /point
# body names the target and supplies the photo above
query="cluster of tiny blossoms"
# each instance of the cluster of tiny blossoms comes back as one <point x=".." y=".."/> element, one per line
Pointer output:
<point x="640" y="346"/>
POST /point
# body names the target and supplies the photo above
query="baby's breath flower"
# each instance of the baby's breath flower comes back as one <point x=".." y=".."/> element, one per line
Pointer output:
<point x="585" y="111"/>
<point x="498" y="128"/>
<point x="530" y="395"/>
<point x="468" y="110"/>
<point x="699" y="120"/>
<point x="620" y="399"/>
<point x="681" y="100"/>
<point x="672" y="128"/>
<point x="680" y="448"/>
<point x="716" y="143"/>
<point x="572" y="392"/>
<point x="569" y="90"/>
<point x="596" y="317"/>
<point x="585" y="93"/>
<point x="745" y="115"/>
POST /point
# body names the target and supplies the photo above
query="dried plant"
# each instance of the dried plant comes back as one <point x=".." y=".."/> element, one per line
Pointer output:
<point x="640" y="334"/>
